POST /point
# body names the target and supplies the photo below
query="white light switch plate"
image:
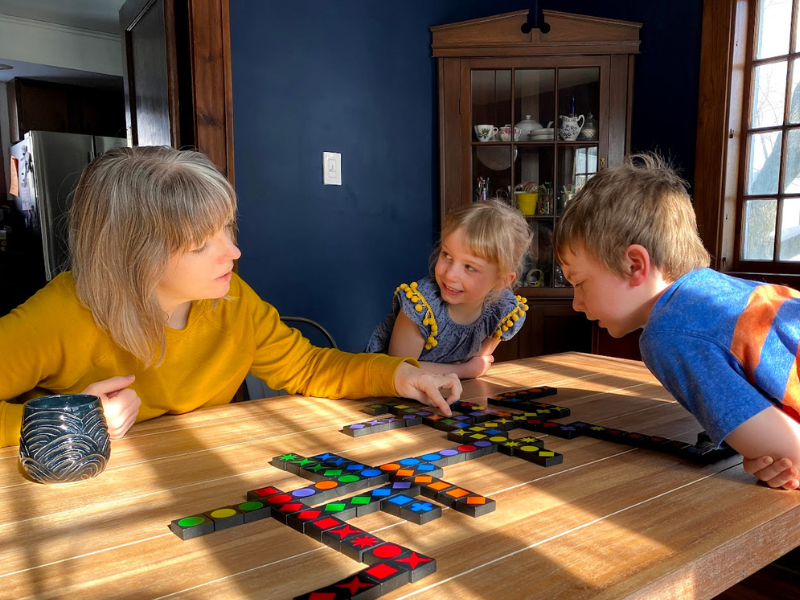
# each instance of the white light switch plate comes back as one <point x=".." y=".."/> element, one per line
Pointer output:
<point x="331" y="168"/>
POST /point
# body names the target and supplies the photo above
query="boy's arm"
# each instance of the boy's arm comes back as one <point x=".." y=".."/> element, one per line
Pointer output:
<point x="766" y="441"/>
<point x="774" y="473"/>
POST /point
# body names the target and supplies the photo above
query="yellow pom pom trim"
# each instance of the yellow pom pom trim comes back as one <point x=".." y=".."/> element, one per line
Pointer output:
<point x="508" y="321"/>
<point x="412" y="293"/>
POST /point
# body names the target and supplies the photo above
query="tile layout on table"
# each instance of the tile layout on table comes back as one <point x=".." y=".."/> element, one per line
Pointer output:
<point x="412" y="488"/>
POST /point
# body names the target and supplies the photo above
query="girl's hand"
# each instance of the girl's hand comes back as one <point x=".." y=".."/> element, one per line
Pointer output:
<point x="776" y="474"/>
<point x="120" y="403"/>
<point x="424" y="387"/>
<point x="477" y="366"/>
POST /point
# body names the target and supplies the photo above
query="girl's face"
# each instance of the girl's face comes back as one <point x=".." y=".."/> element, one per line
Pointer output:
<point x="200" y="273"/>
<point x="463" y="278"/>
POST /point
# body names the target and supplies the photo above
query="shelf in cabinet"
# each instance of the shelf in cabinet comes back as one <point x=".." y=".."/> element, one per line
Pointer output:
<point x="587" y="143"/>
<point x="533" y="293"/>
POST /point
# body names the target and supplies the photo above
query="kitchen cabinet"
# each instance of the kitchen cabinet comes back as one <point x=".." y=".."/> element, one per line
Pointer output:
<point x="528" y="115"/>
<point x="35" y="105"/>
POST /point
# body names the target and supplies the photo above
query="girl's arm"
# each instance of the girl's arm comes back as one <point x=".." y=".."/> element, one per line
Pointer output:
<point x="488" y="346"/>
<point x="767" y="441"/>
<point x="407" y="340"/>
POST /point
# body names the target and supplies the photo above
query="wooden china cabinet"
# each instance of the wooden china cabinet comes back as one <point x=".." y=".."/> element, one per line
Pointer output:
<point x="529" y="117"/>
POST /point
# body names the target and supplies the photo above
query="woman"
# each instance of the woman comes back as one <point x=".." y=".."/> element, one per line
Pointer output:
<point x="151" y="317"/>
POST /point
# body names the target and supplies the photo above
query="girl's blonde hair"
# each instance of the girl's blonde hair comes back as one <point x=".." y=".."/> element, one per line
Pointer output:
<point x="642" y="201"/>
<point x="493" y="231"/>
<point x="132" y="210"/>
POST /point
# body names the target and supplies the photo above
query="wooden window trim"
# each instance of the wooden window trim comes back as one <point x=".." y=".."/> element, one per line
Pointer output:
<point x="727" y="34"/>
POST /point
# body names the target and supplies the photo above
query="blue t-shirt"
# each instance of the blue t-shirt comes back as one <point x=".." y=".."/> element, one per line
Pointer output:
<point x="725" y="348"/>
<point x="445" y="340"/>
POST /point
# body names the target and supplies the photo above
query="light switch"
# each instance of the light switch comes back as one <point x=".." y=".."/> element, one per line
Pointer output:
<point x="331" y="168"/>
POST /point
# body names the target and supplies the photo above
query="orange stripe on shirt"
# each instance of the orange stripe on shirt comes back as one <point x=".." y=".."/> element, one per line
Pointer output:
<point x="754" y="325"/>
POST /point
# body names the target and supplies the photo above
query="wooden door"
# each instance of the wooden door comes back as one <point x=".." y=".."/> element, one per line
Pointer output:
<point x="177" y="76"/>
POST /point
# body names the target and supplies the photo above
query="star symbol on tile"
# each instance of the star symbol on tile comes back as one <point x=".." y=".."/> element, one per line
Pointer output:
<point x="354" y="585"/>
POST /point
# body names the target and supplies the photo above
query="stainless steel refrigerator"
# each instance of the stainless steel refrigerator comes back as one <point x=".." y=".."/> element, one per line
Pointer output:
<point x="48" y="166"/>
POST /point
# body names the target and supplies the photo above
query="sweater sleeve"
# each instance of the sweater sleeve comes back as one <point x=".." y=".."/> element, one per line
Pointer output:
<point x="31" y="351"/>
<point x="10" y="423"/>
<point x="284" y="359"/>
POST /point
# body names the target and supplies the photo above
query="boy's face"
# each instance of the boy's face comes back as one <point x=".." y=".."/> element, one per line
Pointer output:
<point x="603" y="296"/>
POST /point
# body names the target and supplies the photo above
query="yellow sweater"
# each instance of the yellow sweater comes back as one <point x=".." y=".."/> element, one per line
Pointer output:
<point x="52" y="343"/>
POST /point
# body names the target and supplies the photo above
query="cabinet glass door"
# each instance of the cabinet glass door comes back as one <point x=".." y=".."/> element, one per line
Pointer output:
<point x="535" y="136"/>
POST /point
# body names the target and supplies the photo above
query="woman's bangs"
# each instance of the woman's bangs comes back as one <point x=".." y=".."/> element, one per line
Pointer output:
<point x="206" y="208"/>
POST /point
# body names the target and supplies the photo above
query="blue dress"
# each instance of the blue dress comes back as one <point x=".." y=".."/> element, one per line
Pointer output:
<point x="445" y="340"/>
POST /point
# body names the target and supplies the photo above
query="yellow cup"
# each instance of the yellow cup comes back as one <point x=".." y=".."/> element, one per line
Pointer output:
<point x="527" y="203"/>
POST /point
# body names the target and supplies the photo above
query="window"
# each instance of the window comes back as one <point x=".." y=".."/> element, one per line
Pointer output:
<point x="747" y="181"/>
<point x="770" y="212"/>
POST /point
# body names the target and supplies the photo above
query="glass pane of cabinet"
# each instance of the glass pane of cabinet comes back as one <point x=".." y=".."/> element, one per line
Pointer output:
<point x="535" y="137"/>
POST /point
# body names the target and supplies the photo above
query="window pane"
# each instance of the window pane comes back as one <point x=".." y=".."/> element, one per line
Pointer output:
<point x="491" y="101"/>
<point x="775" y="17"/>
<point x="797" y="36"/>
<point x="792" y="166"/>
<point x="764" y="164"/>
<point x="794" y="98"/>
<point x="491" y="169"/>
<point x="790" y="230"/>
<point x="759" y="229"/>
<point x="769" y="82"/>
<point x="534" y="105"/>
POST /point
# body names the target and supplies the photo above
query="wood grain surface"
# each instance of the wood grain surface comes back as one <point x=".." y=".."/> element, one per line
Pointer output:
<point x="611" y="522"/>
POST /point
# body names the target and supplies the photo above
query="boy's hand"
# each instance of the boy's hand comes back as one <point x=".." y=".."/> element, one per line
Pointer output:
<point x="419" y="385"/>
<point x="776" y="474"/>
<point x="120" y="403"/>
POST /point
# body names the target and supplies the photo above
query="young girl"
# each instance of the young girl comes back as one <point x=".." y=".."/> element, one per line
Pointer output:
<point x="152" y="319"/>
<point x="455" y="319"/>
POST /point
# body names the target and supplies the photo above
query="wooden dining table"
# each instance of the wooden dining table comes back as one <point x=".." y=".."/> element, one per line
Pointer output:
<point x="610" y="522"/>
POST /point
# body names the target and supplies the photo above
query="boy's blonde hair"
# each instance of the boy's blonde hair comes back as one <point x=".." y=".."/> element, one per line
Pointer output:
<point x="642" y="201"/>
<point x="493" y="231"/>
<point x="132" y="210"/>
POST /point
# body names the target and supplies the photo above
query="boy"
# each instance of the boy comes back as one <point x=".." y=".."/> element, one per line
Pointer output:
<point x="725" y="348"/>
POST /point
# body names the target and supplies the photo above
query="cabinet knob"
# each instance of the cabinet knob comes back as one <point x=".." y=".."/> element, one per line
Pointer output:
<point x="603" y="162"/>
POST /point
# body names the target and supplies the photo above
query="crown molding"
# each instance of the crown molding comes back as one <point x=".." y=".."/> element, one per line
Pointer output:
<point x="34" y="24"/>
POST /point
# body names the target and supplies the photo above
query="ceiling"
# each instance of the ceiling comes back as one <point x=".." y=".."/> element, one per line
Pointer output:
<point x="93" y="15"/>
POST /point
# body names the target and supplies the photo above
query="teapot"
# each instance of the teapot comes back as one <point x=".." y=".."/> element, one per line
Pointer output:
<point x="570" y="127"/>
<point x="526" y="127"/>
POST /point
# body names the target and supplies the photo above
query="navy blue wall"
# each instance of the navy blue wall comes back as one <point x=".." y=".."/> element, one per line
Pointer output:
<point x="357" y="77"/>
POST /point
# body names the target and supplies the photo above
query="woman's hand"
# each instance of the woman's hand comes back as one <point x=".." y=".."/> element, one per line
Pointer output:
<point x="776" y="474"/>
<point x="424" y="387"/>
<point x="120" y="403"/>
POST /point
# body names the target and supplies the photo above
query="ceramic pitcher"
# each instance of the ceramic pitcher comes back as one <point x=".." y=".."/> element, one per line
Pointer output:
<point x="570" y="127"/>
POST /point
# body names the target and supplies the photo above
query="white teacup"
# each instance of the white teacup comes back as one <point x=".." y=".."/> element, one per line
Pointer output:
<point x="485" y="132"/>
<point x="505" y="133"/>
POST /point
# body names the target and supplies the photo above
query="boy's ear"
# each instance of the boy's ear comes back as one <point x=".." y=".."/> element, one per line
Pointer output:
<point x="637" y="259"/>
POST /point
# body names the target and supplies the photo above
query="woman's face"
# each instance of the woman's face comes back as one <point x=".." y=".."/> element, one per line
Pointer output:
<point x="200" y="273"/>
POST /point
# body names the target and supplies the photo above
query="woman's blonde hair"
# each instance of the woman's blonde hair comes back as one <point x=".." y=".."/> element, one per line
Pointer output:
<point x="132" y="210"/>
<point x="642" y="201"/>
<point x="492" y="231"/>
